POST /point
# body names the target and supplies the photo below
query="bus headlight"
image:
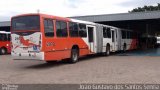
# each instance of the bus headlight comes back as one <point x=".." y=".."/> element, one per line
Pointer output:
<point x="7" y="45"/>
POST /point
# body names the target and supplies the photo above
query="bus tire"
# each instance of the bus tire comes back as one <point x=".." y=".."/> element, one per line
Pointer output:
<point x="74" y="55"/>
<point x="107" y="53"/>
<point x="3" y="51"/>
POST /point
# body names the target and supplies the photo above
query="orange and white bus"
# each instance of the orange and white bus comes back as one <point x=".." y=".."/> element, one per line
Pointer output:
<point x="5" y="42"/>
<point x="49" y="38"/>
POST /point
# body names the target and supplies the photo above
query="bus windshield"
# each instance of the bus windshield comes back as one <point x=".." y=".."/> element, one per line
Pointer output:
<point x="26" y="23"/>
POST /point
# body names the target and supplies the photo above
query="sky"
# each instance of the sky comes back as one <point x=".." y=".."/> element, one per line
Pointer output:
<point x="69" y="8"/>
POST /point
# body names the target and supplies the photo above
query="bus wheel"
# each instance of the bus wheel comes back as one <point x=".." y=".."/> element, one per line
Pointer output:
<point x="3" y="51"/>
<point x="107" y="53"/>
<point x="74" y="56"/>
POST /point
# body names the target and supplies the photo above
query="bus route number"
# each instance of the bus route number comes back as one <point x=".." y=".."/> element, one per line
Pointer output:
<point x="50" y="44"/>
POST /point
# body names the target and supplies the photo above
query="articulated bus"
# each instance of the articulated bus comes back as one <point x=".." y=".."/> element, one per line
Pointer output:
<point x="49" y="38"/>
<point x="5" y="42"/>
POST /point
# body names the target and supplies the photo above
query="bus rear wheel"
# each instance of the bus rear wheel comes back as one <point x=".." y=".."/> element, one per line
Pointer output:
<point x="3" y="51"/>
<point x="74" y="56"/>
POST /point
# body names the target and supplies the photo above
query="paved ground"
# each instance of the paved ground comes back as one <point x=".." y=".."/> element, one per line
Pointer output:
<point x="95" y="69"/>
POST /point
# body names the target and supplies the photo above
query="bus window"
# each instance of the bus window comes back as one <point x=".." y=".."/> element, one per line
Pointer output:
<point x="3" y="37"/>
<point x="9" y="37"/>
<point x="106" y="32"/>
<point x="134" y="35"/>
<point x="61" y="29"/>
<point x="131" y="35"/>
<point x="128" y="35"/>
<point x="90" y="34"/>
<point x="26" y="23"/>
<point x="82" y="30"/>
<point x="73" y="29"/>
<point x="123" y="34"/>
<point x="48" y="28"/>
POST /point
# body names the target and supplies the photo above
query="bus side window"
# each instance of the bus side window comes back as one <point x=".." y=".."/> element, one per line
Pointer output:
<point x="128" y="34"/>
<point x="123" y="34"/>
<point x="48" y="28"/>
<point x="0" y="37"/>
<point x="73" y="29"/>
<point x="3" y="37"/>
<point x="82" y="30"/>
<point x="9" y="37"/>
<point x="61" y="29"/>
<point x="106" y="32"/>
<point x="131" y="35"/>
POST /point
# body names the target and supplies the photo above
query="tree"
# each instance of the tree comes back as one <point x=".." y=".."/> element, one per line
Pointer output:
<point x="146" y="8"/>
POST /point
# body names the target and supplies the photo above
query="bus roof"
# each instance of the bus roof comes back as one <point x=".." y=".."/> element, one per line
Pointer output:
<point x="84" y="22"/>
<point x="44" y="15"/>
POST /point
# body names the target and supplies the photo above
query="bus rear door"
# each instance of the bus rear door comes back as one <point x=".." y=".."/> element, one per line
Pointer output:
<point x="114" y="40"/>
<point x="92" y="38"/>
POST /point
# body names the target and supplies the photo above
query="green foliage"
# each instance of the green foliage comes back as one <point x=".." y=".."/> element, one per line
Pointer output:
<point x="146" y="8"/>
